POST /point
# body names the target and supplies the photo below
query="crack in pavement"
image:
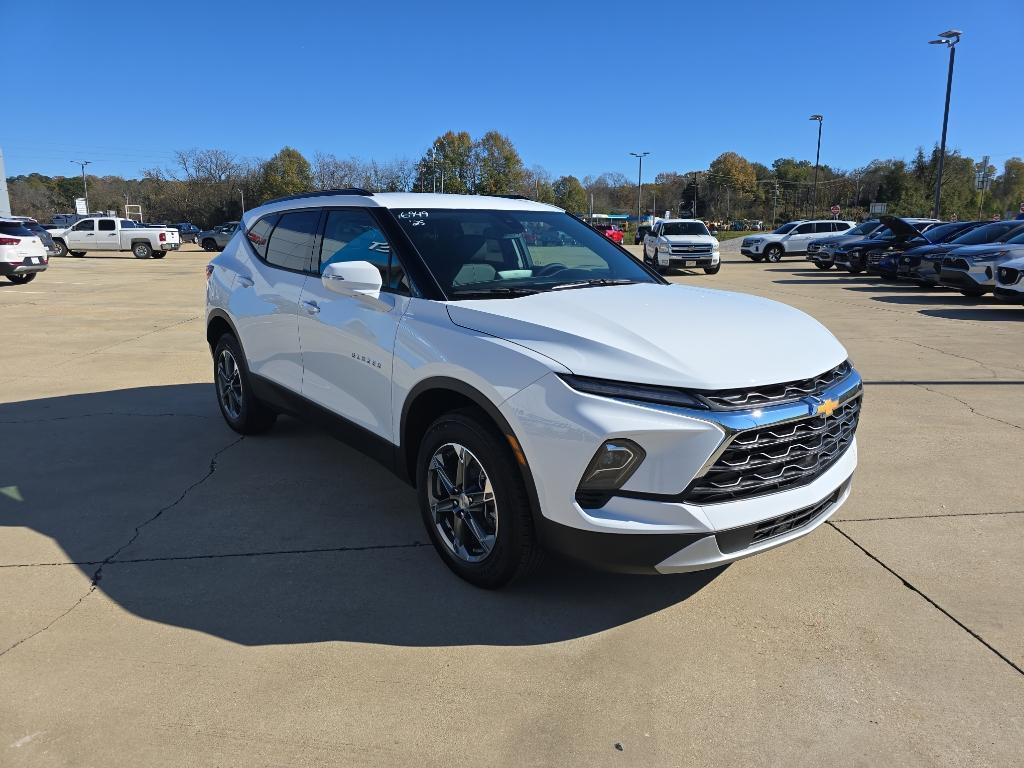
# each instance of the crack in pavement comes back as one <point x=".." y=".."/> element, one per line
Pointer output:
<point x="967" y="405"/>
<point x="103" y="413"/>
<point x="1016" y="667"/>
<point x="980" y="364"/>
<point x="98" y="573"/>
<point x="924" y="517"/>
<point x="220" y="555"/>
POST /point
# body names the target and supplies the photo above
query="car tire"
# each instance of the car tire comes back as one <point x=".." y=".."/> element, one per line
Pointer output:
<point x="972" y="293"/>
<point x="232" y="385"/>
<point x="22" y="279"/>
<point x="773" y="254"/>
<point x="856" y="265"/>
<point x="159" y="254"/>
<point x="505" y="546"/>
<point x="78" y="254"/>
<point x="713" y="270"/>
<point x="142" y="250"/>
<point x="821" y="266"/>
<point x="755" y="258"/>
<point x="209" y="244"/>
<point x="62" y="248"/>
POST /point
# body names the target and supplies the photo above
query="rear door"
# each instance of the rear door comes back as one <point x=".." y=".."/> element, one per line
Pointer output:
<point x="107" y="237"/>
<point x="348" y="342"/>
<point x="265" y="302"/>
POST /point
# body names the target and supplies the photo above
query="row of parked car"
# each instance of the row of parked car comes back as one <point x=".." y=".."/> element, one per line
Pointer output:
<point x="972" y="257"/>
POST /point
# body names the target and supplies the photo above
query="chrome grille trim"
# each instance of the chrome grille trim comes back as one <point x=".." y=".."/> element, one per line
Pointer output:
<point x="774" y="394"/>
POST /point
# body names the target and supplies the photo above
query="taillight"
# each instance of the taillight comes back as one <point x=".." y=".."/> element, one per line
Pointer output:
<point x="163" y="237"/>
<point x="9" y="241"/>
<point x="209" y="271"/>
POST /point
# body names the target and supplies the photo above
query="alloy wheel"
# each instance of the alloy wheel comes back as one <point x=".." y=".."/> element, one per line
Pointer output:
<point x="463" y="506"/>
<point x="229" y="384"/>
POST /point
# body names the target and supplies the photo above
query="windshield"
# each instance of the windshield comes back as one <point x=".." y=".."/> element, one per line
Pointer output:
<point x="474" y="253"/>
<point x="785" y="228"/>
<point x="684" y="228"/>
<point x="944" y="232"/>
<point x="1017" y="239"/>
<point x="864" y="228"/>
<point x="988" y="233"/>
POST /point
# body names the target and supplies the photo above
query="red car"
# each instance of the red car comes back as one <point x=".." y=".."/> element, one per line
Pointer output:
<point x="611" y="232"/>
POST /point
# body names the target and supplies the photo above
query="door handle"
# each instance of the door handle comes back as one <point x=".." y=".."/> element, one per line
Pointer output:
<point x="245" y="281"/>
<point x="310" y="306"/>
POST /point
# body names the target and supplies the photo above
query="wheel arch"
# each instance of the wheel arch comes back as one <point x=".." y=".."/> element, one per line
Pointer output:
<point x="217" y="324"/>
<point x="437" y="395"/>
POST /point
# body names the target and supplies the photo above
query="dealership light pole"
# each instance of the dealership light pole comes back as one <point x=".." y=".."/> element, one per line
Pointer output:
<point x="85" y="185"/>
<point x="242" y="193"/>
<point x="639" y="181"/>
<point x="950" y="37"/>
<point x="817" y="158"/>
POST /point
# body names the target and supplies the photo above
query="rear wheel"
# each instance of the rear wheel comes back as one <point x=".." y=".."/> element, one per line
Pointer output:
<point x="773" y="253"/>
<point x="22" y="279"/>
<point x="825" y="265"/>
<point x="238" y="405"/>
<point x="473" y="501"/>
<point x="142" y="250"/>
<point x="209" y="244"/>
<point x="713" y="270"/>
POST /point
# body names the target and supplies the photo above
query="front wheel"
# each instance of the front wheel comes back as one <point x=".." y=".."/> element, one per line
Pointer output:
<point x="238" y="405"/>
<point x="209" y="244"/>
<point x="821" y="265"/>
<point x="142" y="250"/>
<point x="159" y="254"/>
<point x="713" y="270"/>
<point x="972" y="293"/>
<point x="22" y="279"/>
<point x="473" y="501"/>
<point x="62" y="248"/>
<point x="773" y="254"/>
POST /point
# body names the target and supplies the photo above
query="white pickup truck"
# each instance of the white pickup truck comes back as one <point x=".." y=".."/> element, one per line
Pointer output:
<point x="104" y="233"/>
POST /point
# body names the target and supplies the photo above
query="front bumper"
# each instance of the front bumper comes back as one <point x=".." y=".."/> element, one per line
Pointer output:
<point x="820" y="257"/>
<point x="974" y="279"/>
<point x="689" y="260"/>
<point x="1009" y="295"/>
<point x="652" y="529"/>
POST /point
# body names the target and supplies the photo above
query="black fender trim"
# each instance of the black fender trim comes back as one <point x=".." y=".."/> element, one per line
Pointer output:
<point x="220" y="314"/>
<point x="480" y="400"/>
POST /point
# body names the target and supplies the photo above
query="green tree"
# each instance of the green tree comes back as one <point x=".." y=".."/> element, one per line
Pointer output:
<point x="286" y="173"/>
<point x="570" y="194"/>
<point x="499" y="169"/>
<point x="450" y="156"/>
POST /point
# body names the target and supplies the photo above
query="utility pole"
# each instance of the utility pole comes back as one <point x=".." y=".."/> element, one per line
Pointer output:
<point x="775" y="203"/>
<point x="85" y="185"/>
<point x="950" y="38"/>
<point x="639" y="182"/>
<point x="817" y="159"/>
<point x="242" y="193"/>
<point x="695" y="176"/>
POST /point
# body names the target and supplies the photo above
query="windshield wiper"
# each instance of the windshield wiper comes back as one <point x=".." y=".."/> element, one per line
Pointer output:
<point x="507" y="293"/>
<point x="592" y="283"/>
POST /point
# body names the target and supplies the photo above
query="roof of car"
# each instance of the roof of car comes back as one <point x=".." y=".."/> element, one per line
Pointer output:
<point x="426" y="200"/>
<point x="678" y="221"/>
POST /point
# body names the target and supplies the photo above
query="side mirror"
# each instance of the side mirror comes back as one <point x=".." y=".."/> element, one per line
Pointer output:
<point x="352" y="278"/>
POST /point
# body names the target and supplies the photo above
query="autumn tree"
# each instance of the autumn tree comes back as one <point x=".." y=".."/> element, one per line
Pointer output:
<point x="286" y="173"/>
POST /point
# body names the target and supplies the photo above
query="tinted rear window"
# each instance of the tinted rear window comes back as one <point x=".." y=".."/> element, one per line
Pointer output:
<point x="15" y="228"/>
<point x="291" y="244"/>
<point x="988" y="233"/>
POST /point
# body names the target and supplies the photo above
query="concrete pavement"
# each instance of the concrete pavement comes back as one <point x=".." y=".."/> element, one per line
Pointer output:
<point x="171" y="594"/>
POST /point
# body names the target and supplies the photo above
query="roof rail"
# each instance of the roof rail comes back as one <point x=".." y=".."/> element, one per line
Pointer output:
<point x="323" y="193"/>
<point x="513" y="197"/>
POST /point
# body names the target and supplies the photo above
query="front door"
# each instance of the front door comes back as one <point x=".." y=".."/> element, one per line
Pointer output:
<point x="348" y="342"/>
<point x="82" y="236"/>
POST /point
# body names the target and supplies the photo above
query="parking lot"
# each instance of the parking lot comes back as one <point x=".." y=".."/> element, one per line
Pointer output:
<point x="173" y="594"/>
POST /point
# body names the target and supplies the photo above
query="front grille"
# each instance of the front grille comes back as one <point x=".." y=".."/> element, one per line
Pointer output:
<point x="776" y="458"/>
<point x="1009" y="276"/>
<point x="813" y="247"/>
<point x="875" y="258"/>
<point x="738" y="539"/>
<point x="950" y="263"/>
<point x="774" y="394"/>
<point x="697" y="248"/>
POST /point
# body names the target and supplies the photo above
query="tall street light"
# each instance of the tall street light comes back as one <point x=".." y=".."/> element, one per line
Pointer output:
<point x="85" y="186"/>
<point x="950" y="38"/>
<point x="817" y="158"/>
<point x="639" y="181"/>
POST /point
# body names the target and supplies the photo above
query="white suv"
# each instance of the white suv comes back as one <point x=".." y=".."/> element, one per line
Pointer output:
<point x="683" y="243"/>
<point x="558" y="396"/>
<point x="791" y="238"/>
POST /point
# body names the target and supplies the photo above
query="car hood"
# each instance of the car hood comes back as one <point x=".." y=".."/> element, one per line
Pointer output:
<point x="928" y="250"/>
<point x="987" y="249"/>
<point x="840" y="239"/>
<point x="899" y="227"/>
<point x="670" y="335"/>
<point x="689" y="239"/>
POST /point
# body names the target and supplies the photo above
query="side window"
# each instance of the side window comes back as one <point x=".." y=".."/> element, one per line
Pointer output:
<point x="291" y="244"/>
<point x="107" y="225"/>
<point x="804" y="229"/>
<point x="126" y="224"/>
<point x="259" y="234"/>
<point x="823" y="226"/>
<point x="89" y="225"/>
<point x="353" y="235"/>
<point x="840" y="226"/>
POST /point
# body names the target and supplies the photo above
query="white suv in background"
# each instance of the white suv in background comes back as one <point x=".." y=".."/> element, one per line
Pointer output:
<point x="536" y="396"/>
<point x="790" y="239"/>
<point x="682" y="243"/>
<point x="22" y="253"/>
<point x="1010" y="281"/>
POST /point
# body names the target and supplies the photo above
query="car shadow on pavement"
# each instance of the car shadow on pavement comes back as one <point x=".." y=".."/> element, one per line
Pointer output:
<point x="829" y="281"/>
<point x="289" y="537"/>
<point x="1004" y="314"/>
<point x="938" y="297"/>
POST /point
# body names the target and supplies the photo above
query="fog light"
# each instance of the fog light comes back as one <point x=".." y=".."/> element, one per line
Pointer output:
<point x="612" y="465"/>
<point x="988" y="272"/>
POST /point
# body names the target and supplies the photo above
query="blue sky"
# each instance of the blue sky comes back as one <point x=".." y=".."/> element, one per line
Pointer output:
<point x="576" y="86"/>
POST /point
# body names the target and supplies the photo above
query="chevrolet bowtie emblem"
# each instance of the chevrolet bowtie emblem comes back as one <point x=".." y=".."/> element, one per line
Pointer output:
<point x="827" y="407"/>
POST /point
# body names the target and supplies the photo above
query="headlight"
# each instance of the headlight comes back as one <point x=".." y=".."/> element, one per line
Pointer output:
<point x="663" y="247"/>
<point x="647" y="393"/>
<point x="612" y="465"/>
<point x="755" y="240"/>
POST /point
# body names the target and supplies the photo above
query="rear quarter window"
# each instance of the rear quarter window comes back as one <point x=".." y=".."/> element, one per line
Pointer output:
<point x="259" y="234"/>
